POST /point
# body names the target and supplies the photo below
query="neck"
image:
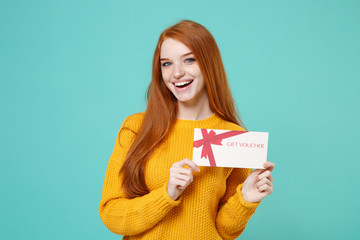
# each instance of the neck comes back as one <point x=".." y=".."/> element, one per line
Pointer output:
<point x="198" y="109"/>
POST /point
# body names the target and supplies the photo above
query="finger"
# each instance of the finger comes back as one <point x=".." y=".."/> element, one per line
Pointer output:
<point x="266" y="174"/>
<point x="260" y="187"/>
<point x="186" y="178"/>
<point x="181" y="184"/>
<point x="257" y="172"/>
<point x="177" y="170"/>
<point x="266" y="189"/>
<point x="193" y="166"/>
<point x="181" y="174"/>
<point x="188" y="162"/>
<point x="263" y="182"/>
<point x="271" y="178"/>
<point x="269" y="166"/>
<point x="180" y="180"/>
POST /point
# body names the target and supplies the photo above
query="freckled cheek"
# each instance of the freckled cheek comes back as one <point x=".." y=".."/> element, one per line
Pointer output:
<point x="194" y="71"/>
<point x="166" y="75"/>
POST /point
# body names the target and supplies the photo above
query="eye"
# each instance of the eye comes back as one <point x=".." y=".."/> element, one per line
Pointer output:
<point x="189" y="60"/>
<point x="165" y="64"/>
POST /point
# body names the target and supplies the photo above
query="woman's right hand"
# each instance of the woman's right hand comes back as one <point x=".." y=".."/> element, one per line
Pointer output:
<point x="180" y="177"/>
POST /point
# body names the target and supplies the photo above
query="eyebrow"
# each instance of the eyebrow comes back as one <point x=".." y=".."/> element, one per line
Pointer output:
<point x="184" y="55"/>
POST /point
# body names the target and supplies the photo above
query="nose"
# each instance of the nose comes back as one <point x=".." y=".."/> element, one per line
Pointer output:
<point x="178" y="71"/>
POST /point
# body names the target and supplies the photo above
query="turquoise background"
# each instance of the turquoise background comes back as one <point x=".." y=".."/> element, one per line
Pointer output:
<point x="71" y="71"/>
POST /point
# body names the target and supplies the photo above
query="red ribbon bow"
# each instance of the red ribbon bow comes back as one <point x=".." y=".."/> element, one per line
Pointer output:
<point x="212" y="138"/>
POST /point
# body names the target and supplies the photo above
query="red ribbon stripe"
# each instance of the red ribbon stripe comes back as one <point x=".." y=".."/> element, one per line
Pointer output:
<point x="212" y="138"/>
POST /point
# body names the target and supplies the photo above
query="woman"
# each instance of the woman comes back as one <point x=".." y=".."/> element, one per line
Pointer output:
<point x="152" y="190"/>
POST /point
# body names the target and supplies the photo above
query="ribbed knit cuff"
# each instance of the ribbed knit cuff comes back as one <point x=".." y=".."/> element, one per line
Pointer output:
<point x="237" y="206"/>
<point x="168" y="198"/>
<point x="242" y="200"/>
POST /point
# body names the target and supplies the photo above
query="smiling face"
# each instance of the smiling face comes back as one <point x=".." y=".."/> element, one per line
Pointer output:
<point x="181" y="72"/>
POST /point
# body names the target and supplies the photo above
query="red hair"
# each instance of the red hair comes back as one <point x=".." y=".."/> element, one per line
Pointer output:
<point x="161" y="111"/>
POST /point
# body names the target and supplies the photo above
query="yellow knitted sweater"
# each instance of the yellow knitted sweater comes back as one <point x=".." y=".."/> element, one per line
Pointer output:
<point x="211" y="207"/>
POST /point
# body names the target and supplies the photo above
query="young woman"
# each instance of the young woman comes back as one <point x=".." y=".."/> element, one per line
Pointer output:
<point x="152" y="190"/>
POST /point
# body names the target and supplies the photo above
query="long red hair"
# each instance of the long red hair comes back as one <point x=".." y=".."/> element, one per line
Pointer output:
<point x="161" y="111"/>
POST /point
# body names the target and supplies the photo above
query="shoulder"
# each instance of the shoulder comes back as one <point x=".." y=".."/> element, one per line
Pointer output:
<point x="133" y="122"/>
<point x="129" y="129"/>
<point x="227" y="125"/>
<point x="235" y="127"/>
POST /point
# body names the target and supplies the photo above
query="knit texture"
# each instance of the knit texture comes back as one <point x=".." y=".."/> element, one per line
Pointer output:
<point x="211" y="207"/>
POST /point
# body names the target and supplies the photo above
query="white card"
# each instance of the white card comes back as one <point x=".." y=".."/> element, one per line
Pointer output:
<point x="226" y="148"/>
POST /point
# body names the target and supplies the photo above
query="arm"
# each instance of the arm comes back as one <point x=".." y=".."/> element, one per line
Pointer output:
<point x="130" y="216"/>
<point x="234" y="212"/>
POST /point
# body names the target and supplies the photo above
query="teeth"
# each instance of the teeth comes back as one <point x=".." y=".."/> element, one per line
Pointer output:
<point x="179" y="84"/>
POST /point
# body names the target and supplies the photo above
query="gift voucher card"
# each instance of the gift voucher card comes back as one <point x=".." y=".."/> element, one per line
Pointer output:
<point x="226" y="148"/>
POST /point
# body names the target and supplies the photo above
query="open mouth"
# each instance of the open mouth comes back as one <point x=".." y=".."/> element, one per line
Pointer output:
<point x="183" y="84"/>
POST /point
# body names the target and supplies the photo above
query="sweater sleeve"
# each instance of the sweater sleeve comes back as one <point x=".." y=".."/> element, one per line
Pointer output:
<point x="120" y="214"/>
<point x="234" y="211"/>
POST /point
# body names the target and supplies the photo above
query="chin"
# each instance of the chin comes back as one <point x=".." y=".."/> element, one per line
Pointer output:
<point x="184" y="99"/>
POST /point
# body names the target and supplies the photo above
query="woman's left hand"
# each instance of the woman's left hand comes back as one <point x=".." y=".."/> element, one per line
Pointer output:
<point x="258" y="184"/>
